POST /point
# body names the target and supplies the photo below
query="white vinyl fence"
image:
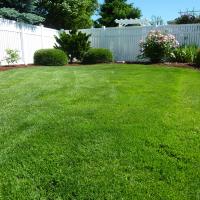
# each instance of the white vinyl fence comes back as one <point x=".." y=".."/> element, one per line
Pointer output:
<point x="123" y="42"/>
<point x="24" y="38"/>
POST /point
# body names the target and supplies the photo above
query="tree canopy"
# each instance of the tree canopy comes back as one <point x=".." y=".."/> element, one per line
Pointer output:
<point x="67" y="14"/>
<point x="117" y="9"/>
<point x="188" y="19"/>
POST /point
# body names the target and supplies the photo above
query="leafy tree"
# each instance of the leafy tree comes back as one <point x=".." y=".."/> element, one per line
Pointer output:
<point x="187" y="19"/>
<point x="117" y="9"/>
<point x="67" y="14"/>
<point x="20" y="10"/>
<point x="75" y="44"/>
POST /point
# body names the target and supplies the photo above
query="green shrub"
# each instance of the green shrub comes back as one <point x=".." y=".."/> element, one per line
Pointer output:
<point x="75" y="44"/>
<point x="94" y="56"/>
<point x="184" y="54"/>
<point x="197" y="59"/>
<point x="12" y="56"/>
<point x="50" y="57"/>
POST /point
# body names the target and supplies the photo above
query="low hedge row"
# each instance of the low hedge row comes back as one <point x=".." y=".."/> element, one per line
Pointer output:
<point x="56" y="57"/>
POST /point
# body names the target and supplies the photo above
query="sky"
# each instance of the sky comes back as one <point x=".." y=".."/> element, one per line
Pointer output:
<point x="167" y="9"/>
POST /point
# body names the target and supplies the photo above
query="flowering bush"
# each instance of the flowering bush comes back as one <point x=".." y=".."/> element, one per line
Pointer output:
<point x="158" y="46"/>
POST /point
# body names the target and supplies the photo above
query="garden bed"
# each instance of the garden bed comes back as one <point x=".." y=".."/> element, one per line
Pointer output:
<point x="182" y="65"/>
<point x="9" y="67"/>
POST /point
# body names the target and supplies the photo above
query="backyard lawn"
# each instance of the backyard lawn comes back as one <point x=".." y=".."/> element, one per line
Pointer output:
<point x="100" y="132"/>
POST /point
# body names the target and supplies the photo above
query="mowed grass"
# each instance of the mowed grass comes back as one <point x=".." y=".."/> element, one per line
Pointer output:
<point x="100" y="132"/>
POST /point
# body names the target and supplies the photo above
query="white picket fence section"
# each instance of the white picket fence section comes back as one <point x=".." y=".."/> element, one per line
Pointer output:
<point x="123" y="42"/>
<point x="24" y="38"/>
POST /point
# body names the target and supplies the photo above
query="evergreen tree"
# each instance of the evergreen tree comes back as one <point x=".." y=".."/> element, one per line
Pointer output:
<point x="117" y="9"/>
<point x="22" y="6"/>
<point x="20" y="10"/>
<point x="75" y="44"/>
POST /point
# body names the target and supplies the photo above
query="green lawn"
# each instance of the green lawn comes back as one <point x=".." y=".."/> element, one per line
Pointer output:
<point x="100" y="132"/>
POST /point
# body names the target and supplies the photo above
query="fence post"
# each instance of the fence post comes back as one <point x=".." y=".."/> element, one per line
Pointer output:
<point x="22" y="44"/>
<point x="42" y="35"/>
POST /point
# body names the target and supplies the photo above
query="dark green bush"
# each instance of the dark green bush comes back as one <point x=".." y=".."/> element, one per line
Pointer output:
<point x="75" y="44"/>
<point x="94" y="56"/>
<point x="197" y="59"/>
<point x="50" y="57"/>
<point x="184" y="54"/>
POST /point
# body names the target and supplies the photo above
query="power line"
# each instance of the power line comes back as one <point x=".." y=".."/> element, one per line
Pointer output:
<point x="190" y="12"/>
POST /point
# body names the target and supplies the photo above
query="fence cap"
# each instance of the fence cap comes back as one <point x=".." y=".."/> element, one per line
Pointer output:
<point x="125" y="22"/>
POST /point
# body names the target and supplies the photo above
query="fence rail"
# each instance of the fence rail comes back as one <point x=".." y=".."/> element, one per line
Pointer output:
<point x="123" y="42"/>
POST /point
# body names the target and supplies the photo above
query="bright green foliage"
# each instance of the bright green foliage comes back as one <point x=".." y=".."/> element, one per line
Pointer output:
<point x="12" y="56"/>
<point x="20" y="10"/>
<point x="197" y="59"/>
<point x="94" y="56"/>
<point x="75" y="44"/>
<point x="100" y="132"/>
<point x="184" y="54"/>
<point x="117" y="9"/>
<point x="50" y="57"/>
<point x="67" y="14"/>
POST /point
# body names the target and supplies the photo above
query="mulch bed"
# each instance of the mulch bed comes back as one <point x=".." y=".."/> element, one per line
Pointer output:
<point x="4" y="68"/>
<point x="167" y="64"/>
<point x="182" y="65"/>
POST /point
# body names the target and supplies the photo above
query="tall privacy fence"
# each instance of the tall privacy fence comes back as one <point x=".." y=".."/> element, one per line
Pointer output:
<point x="123" y="42"/>
<point x="24" y="38"/>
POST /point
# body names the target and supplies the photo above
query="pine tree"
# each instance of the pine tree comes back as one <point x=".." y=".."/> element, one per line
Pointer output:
<point x="20" y="10"/>
<point x="117" y="9"/>
<point x="75" y="44"/>
<point x="22" y="6"/>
